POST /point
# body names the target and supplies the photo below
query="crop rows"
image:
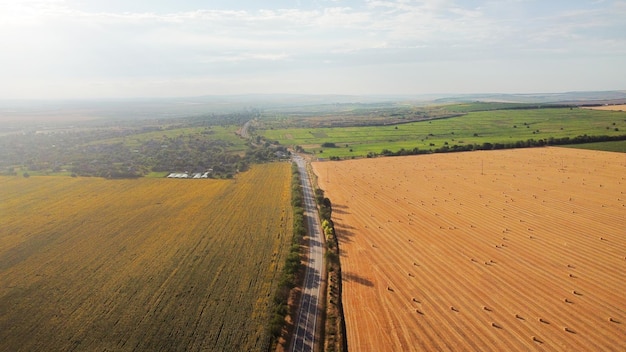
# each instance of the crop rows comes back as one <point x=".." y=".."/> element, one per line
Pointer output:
<point x="143" y="265"/>
<point x="506" y="250"/>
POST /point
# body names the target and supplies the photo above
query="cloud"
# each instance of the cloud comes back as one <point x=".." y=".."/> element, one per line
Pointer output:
<point x="56" y="40"/>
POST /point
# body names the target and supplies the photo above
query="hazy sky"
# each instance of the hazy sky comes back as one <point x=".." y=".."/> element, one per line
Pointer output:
<point x="147" y="48"/>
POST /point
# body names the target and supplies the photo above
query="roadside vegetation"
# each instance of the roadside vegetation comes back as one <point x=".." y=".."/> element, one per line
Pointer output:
<point x="291" y="277"/>
<point x="334" y="327"/>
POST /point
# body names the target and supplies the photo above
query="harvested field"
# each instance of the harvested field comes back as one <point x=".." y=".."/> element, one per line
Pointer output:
<point x="621" y="107"/>
<point x="89" y="264"/>
<point x="510" y="250"/>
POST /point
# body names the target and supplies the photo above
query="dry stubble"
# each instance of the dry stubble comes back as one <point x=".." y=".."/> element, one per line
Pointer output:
<point x="502" y="250"/>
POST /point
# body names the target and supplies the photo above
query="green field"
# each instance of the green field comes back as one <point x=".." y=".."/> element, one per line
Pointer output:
<point x="617" y="146"/>
<point x="498" y="126"/>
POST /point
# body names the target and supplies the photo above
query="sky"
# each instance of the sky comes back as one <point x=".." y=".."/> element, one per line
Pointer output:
<point x="85" y="49"/>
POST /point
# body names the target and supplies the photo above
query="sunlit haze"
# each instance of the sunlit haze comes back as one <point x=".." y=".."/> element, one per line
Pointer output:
<point x="54" y="49"/>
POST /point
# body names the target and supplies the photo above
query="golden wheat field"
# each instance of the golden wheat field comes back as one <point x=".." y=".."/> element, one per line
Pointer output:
<point x="515" y="250"/>
<point x="89" y="264"/>
<point x="620" y="107"/>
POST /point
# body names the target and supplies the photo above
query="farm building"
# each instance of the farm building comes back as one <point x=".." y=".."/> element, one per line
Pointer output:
<point x="195" y="175"/>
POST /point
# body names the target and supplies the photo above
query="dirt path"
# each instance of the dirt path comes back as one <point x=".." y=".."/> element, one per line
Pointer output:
<point x="505" y="250"/>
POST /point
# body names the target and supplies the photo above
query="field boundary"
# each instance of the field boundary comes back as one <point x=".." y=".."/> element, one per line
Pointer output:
<point x="288" y="294"/>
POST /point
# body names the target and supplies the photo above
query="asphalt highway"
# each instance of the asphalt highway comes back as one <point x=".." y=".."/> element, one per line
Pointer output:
<point x="305" y="331"/>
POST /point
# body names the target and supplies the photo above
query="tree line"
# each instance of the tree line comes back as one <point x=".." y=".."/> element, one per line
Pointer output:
<point x="334" y="329"/>
<point x="290" y="276"/>
<point x="530" y="143"/>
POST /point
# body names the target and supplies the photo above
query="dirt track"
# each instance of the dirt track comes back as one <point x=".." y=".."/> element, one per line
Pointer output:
<point x="504" y="250"/>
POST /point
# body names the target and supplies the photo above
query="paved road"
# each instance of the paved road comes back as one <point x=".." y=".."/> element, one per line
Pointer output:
<point x="243" y="132"/>
<point x="305" y="331"/>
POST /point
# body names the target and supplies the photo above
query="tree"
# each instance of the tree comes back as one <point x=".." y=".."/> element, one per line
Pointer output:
<point x="319" y="196"/>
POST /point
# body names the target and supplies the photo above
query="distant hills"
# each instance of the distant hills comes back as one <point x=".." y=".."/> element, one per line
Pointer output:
<point x="600" y="97"/>
<point x="74" y="110"/>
